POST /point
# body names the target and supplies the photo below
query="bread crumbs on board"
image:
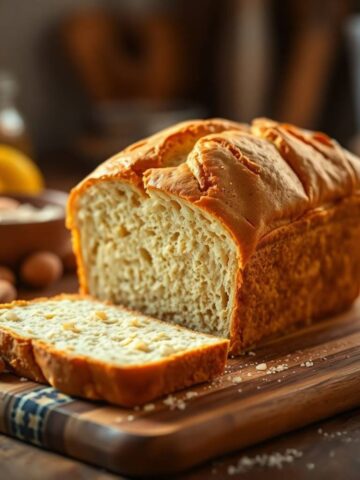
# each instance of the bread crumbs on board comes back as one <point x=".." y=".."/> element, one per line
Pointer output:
<point x="190" y="395"/>
<point x="261" y="366"/>
<point x="174" y="403"/>
<point x="277" y="368"/>
<point x="271" y="460"/>
<point x="149" y="407"/>
<point x="307" y="364"/>
<point x="236" y="379"/>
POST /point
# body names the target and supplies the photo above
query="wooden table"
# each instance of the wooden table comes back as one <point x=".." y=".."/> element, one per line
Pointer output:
<point x="327" y="450"/>
<point x="332" y="454"/>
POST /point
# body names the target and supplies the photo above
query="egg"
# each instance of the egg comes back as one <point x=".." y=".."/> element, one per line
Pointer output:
<point x="41" y="269"/>
<point x="7" y="274"/>
<point x="7" y="292"/>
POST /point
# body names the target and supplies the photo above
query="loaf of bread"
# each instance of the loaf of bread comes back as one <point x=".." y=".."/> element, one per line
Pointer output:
<point x="239" y="231"/>
<point x="98" y="351"/>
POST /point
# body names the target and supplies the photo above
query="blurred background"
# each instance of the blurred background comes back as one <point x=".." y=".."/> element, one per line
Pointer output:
<point x="81" y="79"/>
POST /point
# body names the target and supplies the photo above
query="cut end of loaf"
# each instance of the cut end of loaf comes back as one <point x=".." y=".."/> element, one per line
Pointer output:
<point x="157" y="254"/>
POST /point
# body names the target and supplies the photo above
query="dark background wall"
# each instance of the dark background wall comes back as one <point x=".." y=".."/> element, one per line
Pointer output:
<point x="290" y="60"/>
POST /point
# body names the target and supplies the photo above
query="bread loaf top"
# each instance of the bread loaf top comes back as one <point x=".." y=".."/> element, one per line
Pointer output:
<point x="254" y="179"/>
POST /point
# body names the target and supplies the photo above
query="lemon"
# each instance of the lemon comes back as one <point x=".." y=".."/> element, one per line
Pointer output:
<point x="18" y="174"/>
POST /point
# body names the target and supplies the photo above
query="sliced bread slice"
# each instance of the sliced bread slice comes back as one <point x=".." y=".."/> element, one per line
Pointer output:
<point x="95" y="350"/>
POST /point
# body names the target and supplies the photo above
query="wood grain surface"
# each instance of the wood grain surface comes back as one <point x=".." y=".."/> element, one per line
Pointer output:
<point x="328" y="450"/>
<point x="19" y="461"/>
<point x="308" y="375"/>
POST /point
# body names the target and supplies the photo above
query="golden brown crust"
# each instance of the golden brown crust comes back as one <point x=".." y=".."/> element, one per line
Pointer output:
<point x="157" y="151"/>
<point x="299" y="273"/>
<point x="133" y="385"/>
<point x="17" y="354"/>
<point x="98" y="380"/>
<point x="256" y="181"/>
<point x="252" y="179"/>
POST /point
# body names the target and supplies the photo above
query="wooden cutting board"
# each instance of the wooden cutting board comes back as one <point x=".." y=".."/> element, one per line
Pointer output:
<point x="312" y="373"/>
